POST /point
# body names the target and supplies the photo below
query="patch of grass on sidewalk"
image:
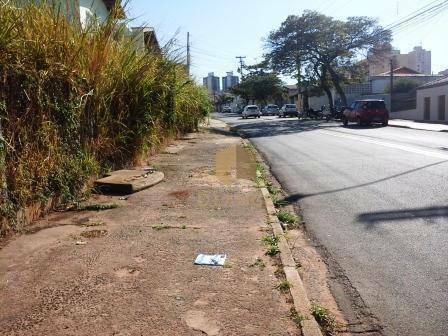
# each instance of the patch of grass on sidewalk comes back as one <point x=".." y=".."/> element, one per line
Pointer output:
<point x="272" y="242"/>
<point x="160" y="227"/>
<point x="258" y="263"/>
<point x="284" y="286"/>
<point x="287" y="217"/>
<point x="95" y="206"/>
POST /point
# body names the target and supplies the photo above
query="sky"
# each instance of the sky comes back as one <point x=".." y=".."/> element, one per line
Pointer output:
<point x="220" y="30"/>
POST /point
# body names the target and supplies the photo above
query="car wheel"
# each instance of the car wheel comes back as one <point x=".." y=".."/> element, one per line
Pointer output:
<point x="385" y="122"/>
<point x="344" y="121"/>
<point x="359" y="121"/>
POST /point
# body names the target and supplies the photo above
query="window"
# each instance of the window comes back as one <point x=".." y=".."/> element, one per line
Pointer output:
<point x="442" y="107"/>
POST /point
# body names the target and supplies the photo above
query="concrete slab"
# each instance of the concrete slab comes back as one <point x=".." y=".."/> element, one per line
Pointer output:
<point x="128" y="181"/>
<point x="173" y="149"/>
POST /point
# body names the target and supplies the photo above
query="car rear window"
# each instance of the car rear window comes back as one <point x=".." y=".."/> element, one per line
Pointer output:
<point x="252" y="108"/>
<point x="371" y="104"/>
<point x="376" y="105"/>
<point x="290" y="106"/>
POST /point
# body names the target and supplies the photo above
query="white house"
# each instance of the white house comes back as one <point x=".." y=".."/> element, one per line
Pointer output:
<point x="90" y="10"/>
<point x="432" y="102"/>
<point x="86" y="11"/>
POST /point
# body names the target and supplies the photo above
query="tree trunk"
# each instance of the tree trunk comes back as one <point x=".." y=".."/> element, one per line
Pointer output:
<point x="329" y="96"/>
<point x="305" y="100"/>
<point x="336" y="81"/>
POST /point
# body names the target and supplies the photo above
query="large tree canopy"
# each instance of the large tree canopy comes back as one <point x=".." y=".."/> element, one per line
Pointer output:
<point x="332" y="48"/>
<point x="259" y="87"/>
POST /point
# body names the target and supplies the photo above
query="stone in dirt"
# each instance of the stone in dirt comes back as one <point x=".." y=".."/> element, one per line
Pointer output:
<point x="198" y="320"/>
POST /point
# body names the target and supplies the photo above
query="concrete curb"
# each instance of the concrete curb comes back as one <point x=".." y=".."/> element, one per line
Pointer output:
<point x="301" y="302"/>
<point x="419" y="129"/>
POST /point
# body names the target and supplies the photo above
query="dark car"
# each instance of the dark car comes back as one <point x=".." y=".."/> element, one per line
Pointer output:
<point x="366" y="112"/>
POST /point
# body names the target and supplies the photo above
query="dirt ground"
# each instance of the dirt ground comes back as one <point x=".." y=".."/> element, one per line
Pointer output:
<point x="130" y="271"/>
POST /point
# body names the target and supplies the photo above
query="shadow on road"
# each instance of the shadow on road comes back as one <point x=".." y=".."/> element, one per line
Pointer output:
<point x="296" y="197"/>
<point x="272" y="128"/>
<point x="418" y="213"/>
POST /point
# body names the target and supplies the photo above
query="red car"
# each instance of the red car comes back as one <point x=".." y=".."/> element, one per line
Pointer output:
<point x="366" y="112"/>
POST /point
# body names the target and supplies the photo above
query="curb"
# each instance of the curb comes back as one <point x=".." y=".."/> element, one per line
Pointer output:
<point x="302" y="304"/>
<point x="419" y="129"/>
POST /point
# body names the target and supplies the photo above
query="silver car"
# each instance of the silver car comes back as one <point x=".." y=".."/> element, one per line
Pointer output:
<point x="288" y="110"/>
<point x="251" y="111"/>
<point x="270" y="109"/>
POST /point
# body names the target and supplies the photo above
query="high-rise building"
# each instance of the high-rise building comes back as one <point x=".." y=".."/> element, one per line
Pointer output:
<point x="229" y="81"/>
<point x="418" y="59"/>
<point x="211" y="82"/>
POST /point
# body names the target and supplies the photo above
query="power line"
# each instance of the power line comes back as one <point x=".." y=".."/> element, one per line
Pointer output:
<point x="241" y="64"/>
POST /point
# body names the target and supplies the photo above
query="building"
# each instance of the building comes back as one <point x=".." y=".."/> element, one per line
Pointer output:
<point x="444" y="72"/>
<point x="87" y="12"/>
<point x="145" y="38"/>
<point x="418" y="60"/>
<point x="211" y="82"/>
<point x="381" y="82"/>
<point x="432" y="103"/>
<point x="229" y="81"/>
<point x="432" y="100"/>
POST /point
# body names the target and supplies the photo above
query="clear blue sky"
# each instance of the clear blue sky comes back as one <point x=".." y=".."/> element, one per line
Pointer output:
<point x="223" y="29"/>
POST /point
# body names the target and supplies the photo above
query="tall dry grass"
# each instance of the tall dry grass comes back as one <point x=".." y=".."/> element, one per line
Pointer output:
<point x="75" y="102"/>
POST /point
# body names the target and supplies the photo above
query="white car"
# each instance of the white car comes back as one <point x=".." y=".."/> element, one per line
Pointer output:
<point x="251" y="111"/>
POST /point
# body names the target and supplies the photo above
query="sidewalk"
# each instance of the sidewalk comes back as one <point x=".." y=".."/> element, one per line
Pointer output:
<point x="130" y="271"/>
<point x="418" y="125"/>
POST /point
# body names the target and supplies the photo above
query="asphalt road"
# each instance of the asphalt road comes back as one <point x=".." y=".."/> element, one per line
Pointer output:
<point x="376" y="199"/>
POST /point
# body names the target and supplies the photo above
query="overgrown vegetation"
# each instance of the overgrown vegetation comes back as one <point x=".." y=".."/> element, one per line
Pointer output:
<point x="76" y="102"/>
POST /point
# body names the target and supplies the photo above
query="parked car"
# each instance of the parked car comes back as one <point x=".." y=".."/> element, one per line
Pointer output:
<point x="226" y="109"/>
<point x="288" y="110"/>
<point x="366" y="112"/>
<point x="270" y="109"/>
<point x="251" y="111"/>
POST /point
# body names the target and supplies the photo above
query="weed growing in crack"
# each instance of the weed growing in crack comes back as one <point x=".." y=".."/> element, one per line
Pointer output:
<point x="160" y="227"/>
<point x="325" y="319"/>
<point x="95" y="207"/>
<point x="284" y="286"/>
<point x="258" y="263"/>
<point x="287" y="217"/>
<point x="296" y="317"/>
<point x="273" y="250"/>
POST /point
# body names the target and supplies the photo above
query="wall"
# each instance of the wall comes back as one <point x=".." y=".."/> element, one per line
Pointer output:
<point x="89" y="9"/>
<point x="433" y="93"/>
<point x="408" y="114"/>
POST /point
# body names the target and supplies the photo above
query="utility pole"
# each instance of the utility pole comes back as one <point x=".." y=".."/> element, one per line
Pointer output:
<point x="188" y="54"/>
<point x="391" y="81"/>
<point x="241" y="65"/>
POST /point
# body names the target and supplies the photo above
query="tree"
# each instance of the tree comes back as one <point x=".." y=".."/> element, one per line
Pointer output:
<point x="403" y="85"/>
<point x="332" y="47"/>
<point x="224" y="99"/>
<point x="259" y="87"/>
